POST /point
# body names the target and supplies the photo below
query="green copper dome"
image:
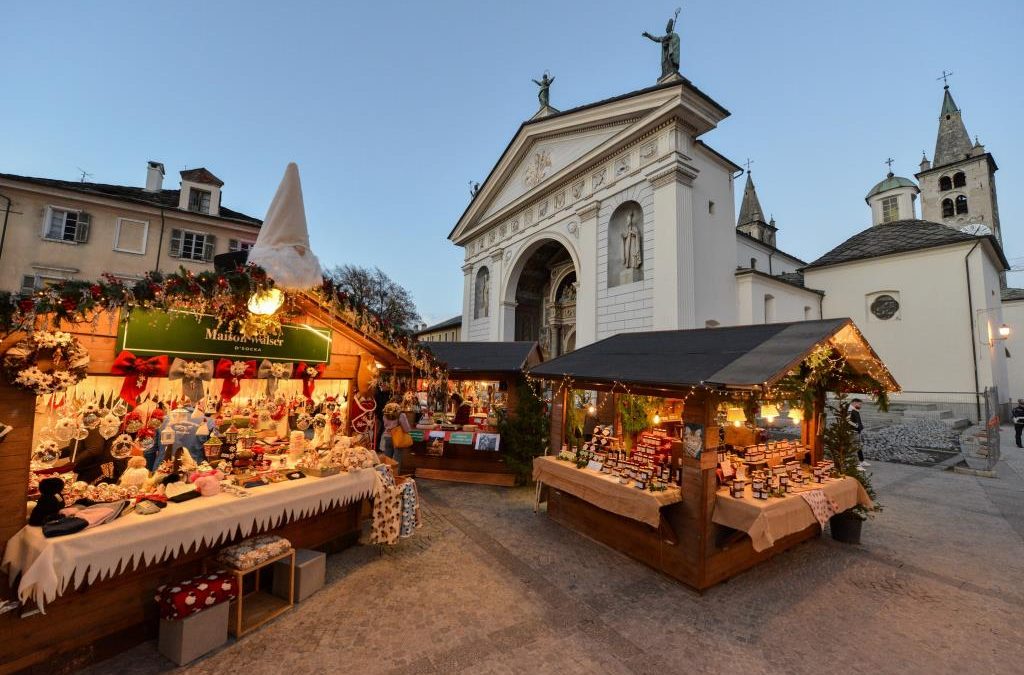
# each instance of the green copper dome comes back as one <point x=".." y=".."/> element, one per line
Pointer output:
<point x="891" y="182"/>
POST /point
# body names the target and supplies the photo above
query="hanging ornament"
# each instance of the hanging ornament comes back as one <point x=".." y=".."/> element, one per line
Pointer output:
<point x="273" y="373"/>
<point x="233" y="372"/>
<point x="109" y="425"/>
<point x="64" y="430"/>
<point x="120" y="408"/>
<point x="192" y="375"/>
<point x="147" y="438"/>
<point x="91" y="414"/>
<point x="167" y="437"/>
<point x="132" y="422"/>
<point x="137" y="372"/>
<point x="302" y="421"/>
<point x="121" y="448"/>
<point x="46" y="453"/>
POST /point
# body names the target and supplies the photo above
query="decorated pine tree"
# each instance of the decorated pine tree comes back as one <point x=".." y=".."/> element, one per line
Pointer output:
<point x="842" y="443"/>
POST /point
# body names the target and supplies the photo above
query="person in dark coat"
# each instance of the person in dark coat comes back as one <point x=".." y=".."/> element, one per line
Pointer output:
<point x="1018" y="420"/>
<point x="858" y="425"/>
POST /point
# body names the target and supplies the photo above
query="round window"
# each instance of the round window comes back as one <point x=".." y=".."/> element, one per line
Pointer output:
<point x="885" y="307"/>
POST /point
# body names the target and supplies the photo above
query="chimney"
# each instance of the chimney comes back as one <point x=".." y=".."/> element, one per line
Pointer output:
<point x="154" y="176"/>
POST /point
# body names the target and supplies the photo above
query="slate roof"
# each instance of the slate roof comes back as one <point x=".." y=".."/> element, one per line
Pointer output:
<point x="737" y="356"/>
<point x="483" y="357"/>
<point x="167" y="199"/>
<point x="447" y="323"/>
<point x="901" y="236"/>
<point x="1011" y="294"/>
<point x="952" y="143"/>
<point x="750" y="208"/>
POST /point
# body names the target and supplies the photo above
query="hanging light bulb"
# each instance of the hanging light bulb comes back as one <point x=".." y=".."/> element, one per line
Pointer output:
<point x="769" y="411"/>
<point x="591" y="409"/>
<point x="265" y="303"/>
<point x="1004" y="331"/>
<point x="736" y="416"/>
<point x="796" y="414"/>
<point x="657" y="418"/>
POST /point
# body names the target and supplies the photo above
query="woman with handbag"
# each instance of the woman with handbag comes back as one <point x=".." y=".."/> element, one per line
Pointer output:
<point x="396" y="433"/>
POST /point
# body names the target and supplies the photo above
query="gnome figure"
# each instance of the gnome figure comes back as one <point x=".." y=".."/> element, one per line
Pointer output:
<point x="282" y="247"/>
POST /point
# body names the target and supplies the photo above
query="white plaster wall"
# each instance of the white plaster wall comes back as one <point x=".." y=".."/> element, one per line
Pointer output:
<point x="988" y="313"/>
<point x="790" y="301"/>
<point x="714" y="241"/>
<point x="768" y="261"/>
<point x="1013" y="315"/>
<point x="905" y="198"/>
<point x="928" y="348"/>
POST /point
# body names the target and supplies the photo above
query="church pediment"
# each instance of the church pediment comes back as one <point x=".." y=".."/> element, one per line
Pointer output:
<point x="550" y="150"/>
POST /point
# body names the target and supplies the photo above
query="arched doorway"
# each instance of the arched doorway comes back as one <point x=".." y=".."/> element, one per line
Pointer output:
<point x="545" y="299"/>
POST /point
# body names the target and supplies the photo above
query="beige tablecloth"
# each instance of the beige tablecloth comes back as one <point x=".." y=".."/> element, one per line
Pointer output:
<point x="48" y="566"/>
<point x="605" y="492"/>
<point x="769" y="520"/>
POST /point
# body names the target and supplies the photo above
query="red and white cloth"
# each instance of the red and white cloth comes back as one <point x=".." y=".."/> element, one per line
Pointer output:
<point x="822" y="506"/>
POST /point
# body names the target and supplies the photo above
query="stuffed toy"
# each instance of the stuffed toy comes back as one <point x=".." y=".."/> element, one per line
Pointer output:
<point x="49" y="504"/>
<point x="136" y="474"/>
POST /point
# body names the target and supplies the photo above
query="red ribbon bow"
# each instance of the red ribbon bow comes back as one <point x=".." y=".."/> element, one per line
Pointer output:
<point x="137" y="372"/>
<point x="308" y="374"/>
<point x="232" y="382"/>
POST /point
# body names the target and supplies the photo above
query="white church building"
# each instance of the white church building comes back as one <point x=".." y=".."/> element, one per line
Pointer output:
<point x="616" y="216"/>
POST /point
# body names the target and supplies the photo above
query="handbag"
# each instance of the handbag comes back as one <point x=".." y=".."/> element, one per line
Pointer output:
<point x="400" y="438"/>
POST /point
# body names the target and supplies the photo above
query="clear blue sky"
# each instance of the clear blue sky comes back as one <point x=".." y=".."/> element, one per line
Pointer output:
<point x="389" y="108"/>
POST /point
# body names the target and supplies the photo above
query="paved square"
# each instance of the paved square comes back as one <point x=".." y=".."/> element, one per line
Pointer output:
<point x="486" y="586"/>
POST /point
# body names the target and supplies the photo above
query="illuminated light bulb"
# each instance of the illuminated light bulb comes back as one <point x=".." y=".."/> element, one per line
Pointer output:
<point x="265" y="303"/>
<point x="591" y="409"/>
<point x="797" y="415"/>
<point x="736" y="416"/>
<point x="769" y="411"/>
<point x="657" y="419"/>
<point x="1004" y="331"/>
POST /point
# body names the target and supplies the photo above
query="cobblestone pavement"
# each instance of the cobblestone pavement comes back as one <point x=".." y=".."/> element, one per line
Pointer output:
<point x="486" y="586"/>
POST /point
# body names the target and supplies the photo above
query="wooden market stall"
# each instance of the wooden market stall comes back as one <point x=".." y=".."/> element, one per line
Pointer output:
<point x="688" y="403"/>
<point x="487" y="375"/>
<point x="96" y="587"/>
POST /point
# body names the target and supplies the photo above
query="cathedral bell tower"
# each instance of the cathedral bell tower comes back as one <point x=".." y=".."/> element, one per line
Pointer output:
<point x="958" y="187"/>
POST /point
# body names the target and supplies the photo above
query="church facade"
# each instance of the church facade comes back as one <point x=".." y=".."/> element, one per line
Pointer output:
<point x="617" y="216"/>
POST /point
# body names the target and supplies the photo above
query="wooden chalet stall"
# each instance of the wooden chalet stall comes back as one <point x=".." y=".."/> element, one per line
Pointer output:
<point x="96" y="587"/>
<point x="487" y="374"/>
<point x="688" y="401"/>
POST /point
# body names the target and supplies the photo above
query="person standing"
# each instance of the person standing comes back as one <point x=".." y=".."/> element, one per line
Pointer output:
<point x="858" y="425"/>
<point x="393" y="418"/>
<point x="1018" y="420"/>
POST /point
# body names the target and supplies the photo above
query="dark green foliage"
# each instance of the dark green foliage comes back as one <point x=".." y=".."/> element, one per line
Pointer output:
<point x="524" y="432"/>
<point x="841" y="444"/>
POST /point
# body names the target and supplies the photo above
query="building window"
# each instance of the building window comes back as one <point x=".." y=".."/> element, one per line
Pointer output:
<point x="711" y="208"/>
<point x="947" y="208"/>
<point x="199" y="200"/>
<point x="959" y="179"/>
<point x="753" y="263"/>
<point x="769" y="309"/>
<point x="31" y="283"/>
<point x="130" y="235"/>
<point x="884" y="306"/>
<point x="890" y="209"/>
<point x="482" y="294"/>
<point x="66" y="225"/>
<point x="945" y="183"/>
<point x="235" y="245"/>
<point x="961" y="204"/>
<point x="191" y="245"/>
<point x="807" y="313"/>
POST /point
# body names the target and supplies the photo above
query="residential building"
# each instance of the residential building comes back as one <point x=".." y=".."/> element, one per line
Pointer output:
<point x="446" y="331"/>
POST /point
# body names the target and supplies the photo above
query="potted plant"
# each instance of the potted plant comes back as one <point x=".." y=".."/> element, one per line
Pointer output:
<point x="842" y="443"/>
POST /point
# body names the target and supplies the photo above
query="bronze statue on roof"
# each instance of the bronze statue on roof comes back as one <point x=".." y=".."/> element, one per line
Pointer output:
<point x="669" y="47"/>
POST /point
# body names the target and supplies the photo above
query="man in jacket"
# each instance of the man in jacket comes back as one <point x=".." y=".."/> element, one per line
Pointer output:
<point x="1018" y="420"/>
<point x="858" y="426"/>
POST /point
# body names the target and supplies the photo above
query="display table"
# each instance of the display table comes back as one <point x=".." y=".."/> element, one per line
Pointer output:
<point x="767" y="521"/>
<point x="605" y="491"/>
<point x="47" y="567"/>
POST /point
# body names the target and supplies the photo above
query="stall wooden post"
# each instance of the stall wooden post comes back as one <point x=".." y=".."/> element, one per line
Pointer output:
<point x="559" y="403"/>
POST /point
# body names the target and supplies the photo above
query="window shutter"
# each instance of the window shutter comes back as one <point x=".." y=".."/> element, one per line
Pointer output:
<point x="209" y="243"/>
<point x="82" y="228"/>
<point x="175" y="249"/>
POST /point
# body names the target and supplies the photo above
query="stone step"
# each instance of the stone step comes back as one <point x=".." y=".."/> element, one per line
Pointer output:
<point x="928" y="414"/>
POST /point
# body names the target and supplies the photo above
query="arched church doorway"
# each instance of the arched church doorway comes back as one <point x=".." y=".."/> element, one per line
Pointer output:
<point x="545" y="299"/>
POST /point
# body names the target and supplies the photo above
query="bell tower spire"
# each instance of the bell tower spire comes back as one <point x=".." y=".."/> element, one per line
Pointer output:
<point x="751" y="219"/>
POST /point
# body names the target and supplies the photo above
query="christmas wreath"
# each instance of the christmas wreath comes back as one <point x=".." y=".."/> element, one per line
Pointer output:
<point x="46" y="362"/>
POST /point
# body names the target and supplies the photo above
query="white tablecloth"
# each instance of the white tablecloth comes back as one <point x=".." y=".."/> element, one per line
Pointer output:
<point x="48" y="566"/>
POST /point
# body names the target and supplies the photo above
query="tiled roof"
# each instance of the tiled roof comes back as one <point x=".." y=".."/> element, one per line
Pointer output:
<point x="901" y="236"/>
<point x="167" y="199"/>
<point x="201" y="175"/>
<point x="448" y="323"/>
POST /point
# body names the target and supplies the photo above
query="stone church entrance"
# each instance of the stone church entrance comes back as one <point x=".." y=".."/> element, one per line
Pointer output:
<point x="545" y="299"/>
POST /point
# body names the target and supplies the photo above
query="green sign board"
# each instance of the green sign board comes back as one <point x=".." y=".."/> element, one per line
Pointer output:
<point x="416" y="434"/>
<point x="197" y="336"/>
<point x="461" y="438"/>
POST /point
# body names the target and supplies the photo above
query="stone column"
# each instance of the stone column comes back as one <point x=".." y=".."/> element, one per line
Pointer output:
<point x="674" y="254"/>
<point x="497" y="318"/>
<point x="586" y="276"/>
<point x="467" y="300"/>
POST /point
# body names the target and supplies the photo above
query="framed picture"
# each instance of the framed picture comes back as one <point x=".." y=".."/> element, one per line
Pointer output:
<point x="693" y="439"/>
<point x="434" y="435"/>
<point x="488" y="442"/>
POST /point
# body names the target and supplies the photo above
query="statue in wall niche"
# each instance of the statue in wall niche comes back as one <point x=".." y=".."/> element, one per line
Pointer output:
<point x="485" y="295"/>
<point x="543" y="95"/>
<point x="669" y="47"/>
<point x="632" y="257"/>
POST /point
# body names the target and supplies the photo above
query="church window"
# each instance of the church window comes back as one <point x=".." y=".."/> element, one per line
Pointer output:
<point x="947" y="208"/>
<point x="945" y="183"/>
<point x="959" y="179"/>
<point x="769" y="308"/>
<point x="961" y="204"/>
<point x="890" y="209"/>
<point x="711" y="208"/>
<point x="753" y="263"/>
<point x="626" y="245"/>
<point x="482" y="294"/>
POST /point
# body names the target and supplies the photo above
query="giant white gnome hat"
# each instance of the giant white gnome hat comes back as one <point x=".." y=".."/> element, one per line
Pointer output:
<point x="282" y="247"/>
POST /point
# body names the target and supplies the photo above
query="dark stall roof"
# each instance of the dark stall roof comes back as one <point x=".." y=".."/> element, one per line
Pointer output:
<point x="738" y="356"/>
<point x="485" y="357"/>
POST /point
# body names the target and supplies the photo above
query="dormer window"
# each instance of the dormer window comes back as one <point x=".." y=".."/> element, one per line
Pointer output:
<point x="199" y="200"/>
<point x="890" y="209"/>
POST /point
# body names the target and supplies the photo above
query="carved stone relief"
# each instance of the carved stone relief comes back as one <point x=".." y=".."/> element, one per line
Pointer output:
<point x="621" y="165"/>
<point x="573" y="229"/>
<point x="648" y="150"/>
<point x="598" y="178"/>
<point x="542" y="210"/>
<point x="577" y="190"/>
<point x="560" y="200"/>
<point x="537" y="169"/>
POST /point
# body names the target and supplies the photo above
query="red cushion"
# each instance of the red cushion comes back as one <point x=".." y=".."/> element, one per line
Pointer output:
<point x="188" y="597"/>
